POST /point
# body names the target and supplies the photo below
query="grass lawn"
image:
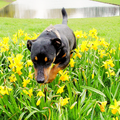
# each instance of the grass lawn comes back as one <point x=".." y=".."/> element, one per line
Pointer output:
<point x="108" y="27"/>
<point x="116" y="2"/>
<point x="87" y="89"/>
<point x="4" y="3"/>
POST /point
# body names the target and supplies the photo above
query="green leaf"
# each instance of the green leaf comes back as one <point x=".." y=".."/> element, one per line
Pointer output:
<point x="116" y="91"/>
<point x="93" y="89"/>
<point x="21" y="116"/>
<point x="101" y="116"/>
<point x="29" y="115"/>
<point x="6" y="111"/>
<point x="83" y="97"/>
<point x="99" y="77"/>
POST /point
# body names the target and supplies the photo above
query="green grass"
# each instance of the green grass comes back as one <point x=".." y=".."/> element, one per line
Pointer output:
<point x="92" y="80"/>
<point x="3" y="3"/>
<point x="115" y="2"/>
<point x="108" y="27"/>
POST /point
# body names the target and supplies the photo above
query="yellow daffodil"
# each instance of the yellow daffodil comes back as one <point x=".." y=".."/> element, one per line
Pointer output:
<point x="29" y="63"/>
<point x="5" y="40"/>
<point x="103" y="43"/>
<point x="102" y="106"/>
<point x="102" y="53"/>
<point x="108" y="63"/>
<point x="77" y="53"/>
<point x="28" y="92"/>
<point x="112" y="51"/>
<point x="78" y="34"/>
<point x="72" y="62"/>
<point x="84" y="46"/>
<point x="25" y="82"/>
<point x="20" y="33"/>
<point x="4" y="45"/>
<point x="94" y="45"/>
<point x="12" y="78"/>
<point x="111" y="73"/>
<point x="64" y="101"/>
<point x="38" y="102"/>
<point x="93" y="33"/>
<point x="64" y="77"/>
<point x="16" y="64"/>
<point x="26" y="36"/>
<point x="30" y="75"/>
<point x="116" y="107"/>
<point x="60" y="90"/>
<point x="40" y="94"/>
<point x="85" y="35"/>
<point x="4" y="90"/>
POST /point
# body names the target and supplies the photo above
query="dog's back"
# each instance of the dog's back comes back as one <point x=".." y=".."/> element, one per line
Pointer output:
<point x="65" y="32"/>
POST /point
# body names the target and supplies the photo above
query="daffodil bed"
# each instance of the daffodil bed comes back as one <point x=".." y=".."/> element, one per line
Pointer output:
<point x="88" y="89"/>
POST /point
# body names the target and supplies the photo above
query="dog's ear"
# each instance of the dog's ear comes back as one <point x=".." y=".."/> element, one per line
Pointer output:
<point x="29" y="44"/>
<point x="57" y="43"/>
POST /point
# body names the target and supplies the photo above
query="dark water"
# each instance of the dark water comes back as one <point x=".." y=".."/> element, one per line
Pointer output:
<point x="52" y="9"/>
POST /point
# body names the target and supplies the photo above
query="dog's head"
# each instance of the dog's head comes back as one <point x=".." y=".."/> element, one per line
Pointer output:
<point x="43" y="54"/>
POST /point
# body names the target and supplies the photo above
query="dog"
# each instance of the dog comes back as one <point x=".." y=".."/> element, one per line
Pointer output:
<point x="54" y="45"/>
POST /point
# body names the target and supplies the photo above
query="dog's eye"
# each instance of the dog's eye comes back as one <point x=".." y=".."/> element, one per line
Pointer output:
<point x="46" y="59"/>
<point x="36" y="58"/>
<point x="49" y="62"/>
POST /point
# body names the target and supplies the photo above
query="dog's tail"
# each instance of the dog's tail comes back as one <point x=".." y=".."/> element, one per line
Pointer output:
<point x="64" y="14"/>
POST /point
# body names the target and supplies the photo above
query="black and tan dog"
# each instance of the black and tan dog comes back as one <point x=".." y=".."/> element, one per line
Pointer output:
<point x="54" y="45"/>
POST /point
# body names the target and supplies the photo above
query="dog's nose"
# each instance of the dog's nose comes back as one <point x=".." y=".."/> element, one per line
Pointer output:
<point x="40" y="80"/>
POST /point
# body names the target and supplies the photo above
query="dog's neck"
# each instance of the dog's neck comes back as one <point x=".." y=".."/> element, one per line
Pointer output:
<point x="52" y="28"/>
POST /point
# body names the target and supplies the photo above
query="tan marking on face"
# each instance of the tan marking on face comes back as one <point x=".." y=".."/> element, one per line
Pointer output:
<point x="71" y="55"/>
<point x="64" y="55"/>
<point x="46" y="73"/>
<point x="36" y="58"/>
<point x="46" y="59"/>
<point x="53" y="73"/>
<point x="54" y="59"/>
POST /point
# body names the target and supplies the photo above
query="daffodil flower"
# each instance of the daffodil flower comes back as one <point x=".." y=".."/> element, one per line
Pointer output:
<point x="25" y="82"/>
<point x="4" y="90"/>
<point x="60" y="90"/>
<point x="116" y="107"/>
<point x="12" y="78"/>
<point x="72" y="62"/>
<point x="40" y="94"/>
<point x="38" y="102"/>
<point x="64" y="101"/>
